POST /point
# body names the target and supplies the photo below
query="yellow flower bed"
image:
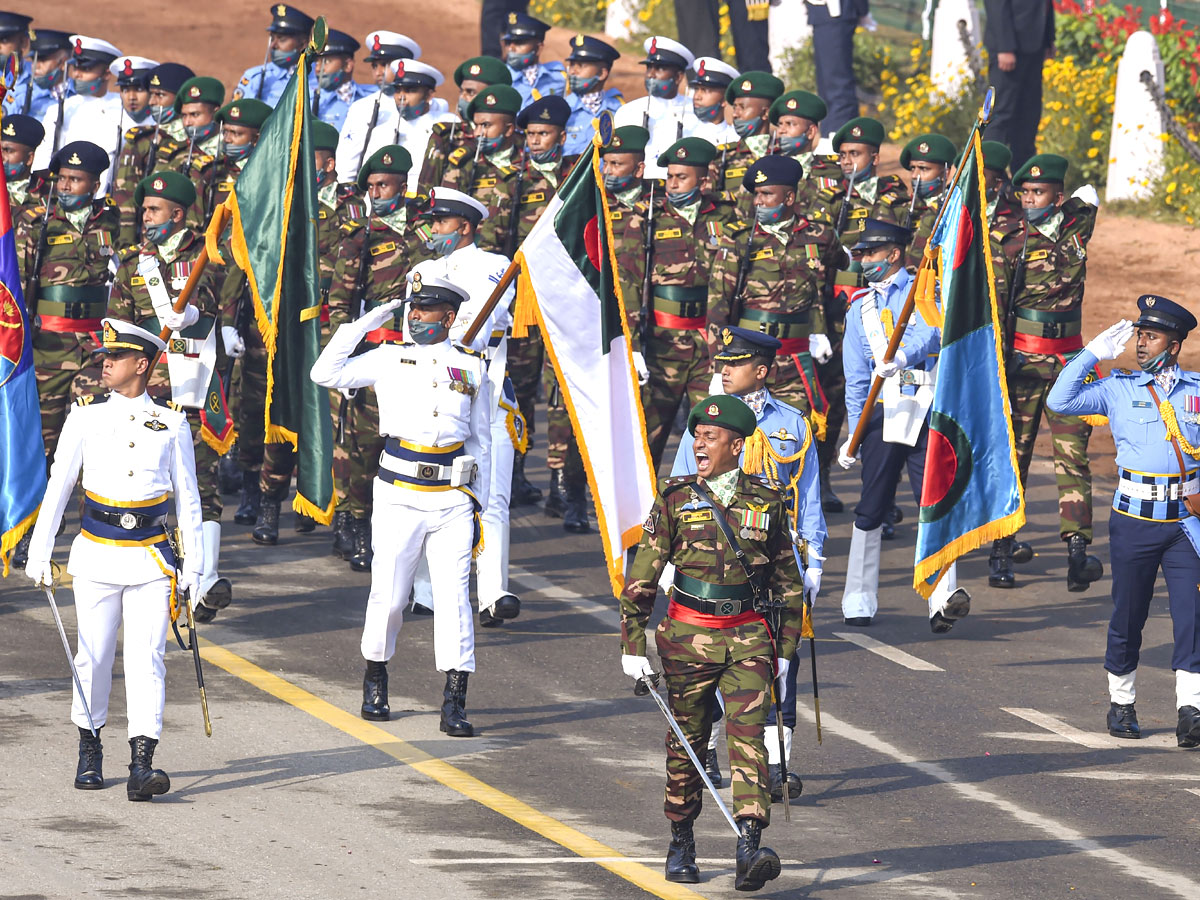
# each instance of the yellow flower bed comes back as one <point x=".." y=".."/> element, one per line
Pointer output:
<point x="1077" y="105"/>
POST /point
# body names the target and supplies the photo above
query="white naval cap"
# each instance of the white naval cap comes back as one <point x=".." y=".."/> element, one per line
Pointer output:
<point x="92" y="50"/>
<point x="131" y="67"/>
<point x="387" y="45"/>
<point x="118" y="336"/>
<point x="430" y="290"/>
<point x="664" y="51"/>
<point x="445" y="201"/>
<point x="708" y="70"/>
<point x="415" y="73"/>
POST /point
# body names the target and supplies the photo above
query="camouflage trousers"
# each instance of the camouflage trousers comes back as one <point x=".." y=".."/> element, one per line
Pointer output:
<point x="526" y="357"/>
<point x="833" y="381"/>
<point x="691" y="687"/>
<point x="65" y="372"/>
<point x="356" y="455"/>
<point x="679" y="371"/>
<point x="1069" y="437"/>
<point x="562" y="447"/>
<point x="251" y="403"/>
<point x="279" y="464"/>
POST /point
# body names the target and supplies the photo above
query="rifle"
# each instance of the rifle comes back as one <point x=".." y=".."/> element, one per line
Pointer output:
<point x="648" y="275"/>
<point x="58" y="124"/>
<point x="316" y="103"/>
<point x="514" y="216"/>
<point x="262" y="72"/>
<point x="33" y="279"/>
<point x="362" y="155"/>
<point x="210" y="192"/>
<point x="743" y="276"/>
<point x="29" y="87"/>
<point x="357" y="301"/>
<point x="828" y="301"/>
<point x="912" y="203"/>
<point x="470" y="185"/>
<point x="720" y="185"/>
<point x="1014" y="290"/>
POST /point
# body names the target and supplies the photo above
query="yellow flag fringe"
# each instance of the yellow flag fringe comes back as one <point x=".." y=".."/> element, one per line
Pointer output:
<point x="12" y="537"/>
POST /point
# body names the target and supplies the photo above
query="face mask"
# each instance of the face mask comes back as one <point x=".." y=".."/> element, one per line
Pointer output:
<point x="15" y="171"/>
<point x="331" y="81"/>
<point x="463" y="105"/>
<point x="862" y="174"/>
<point x="1039" y="214"/>
<point x="517" y="60"/>
<point x="687" y="198"/>
<point x="769" y="215"/>
<point x="660" y="87"/>
<point x="408" y="113"/>
<point x="1155" y="365"/>
<point x="322" y="177"/>
<point x="285" y="59"/>
<point x="790" y="146"/>
<point x="745" y="127"/>
<point x="386" y="207"/>
<point x="158" y="234"/>
<point x="713" y="113"/>
<point x="140" y="116"/>
<point x="73" y="202"/>
<point x="927" y="189"/>
<point x="94" y="88"/>
<point x="488" y="146"/>
<point x="443" y="244"/>
<point x="581" y="85"/>
<point x="162" y="114"/>
<point x="875" y="270"/>
<point x="200" y="132"/>
<point x="619" y="183"/>
<point x="49" y="80"/>
<point x="547" y="156"/>
<point x="237" y="151"/>
<point x="428" y="332"/>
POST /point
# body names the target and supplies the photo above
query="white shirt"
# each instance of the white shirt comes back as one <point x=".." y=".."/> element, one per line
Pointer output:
<point x="716" y="133"/>
<point x="125" y="457"/>
<point x="101" y="120"/>
<point x="350" y="154"/>
<point x="667" y="121"/>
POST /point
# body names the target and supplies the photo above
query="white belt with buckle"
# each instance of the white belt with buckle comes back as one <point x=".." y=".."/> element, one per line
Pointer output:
<point x="426" y="471"/>
<point x="1139" y="491"/>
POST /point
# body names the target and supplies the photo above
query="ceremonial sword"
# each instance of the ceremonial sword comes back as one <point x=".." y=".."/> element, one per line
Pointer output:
<point x="62" y="633"/>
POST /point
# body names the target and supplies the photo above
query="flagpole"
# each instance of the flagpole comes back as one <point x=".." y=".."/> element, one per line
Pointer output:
<point x="481" y="317"/>
<point x="910" y="302"/>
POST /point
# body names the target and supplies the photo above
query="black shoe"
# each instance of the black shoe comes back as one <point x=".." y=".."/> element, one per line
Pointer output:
<point x="755" y="866"/>
<point x="375" y="698"/>
<point x="305" y="524"/>
<point x="248" y="507"/>
<point x="681" y="855"/>
<point x="895" y="515"/>
<point x="229" y="476"/>
<point x="454" y="705"/>
<point x="507" y="607"/>
<point x="1082" y="567"/>
<point x="523" y="492"/>
<point x="939" y="624"/>
<point x="887" y="530"/>
<point x="361" y="560"/>
<point x="1122" y="721"/>
<point x="575" y="515"/>
<point x="1022" y="551"/>
<point x="641" y="689"/>
<point x="830" y="502"/>
<point x="343" y="540"/>
<point x="89" y="774"/>
<point x="20" y="557"/>
<point x="556" y="501"/>
<point x="795" y="786"/>
<point x="711" y="768"/>
<point x="266" y="527"/>
<point x="858" y="621"/>
<point x="419" y="609"/>
<point x="488" y="619"/>
<point x="145" y="781"/>
<point x="1187" y="732"/>
<point x="958" y="605"/>
<point x="219" y="596"/>
<point x="1000" y="574"/>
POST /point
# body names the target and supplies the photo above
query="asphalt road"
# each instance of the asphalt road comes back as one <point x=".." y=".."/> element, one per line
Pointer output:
<point x="969" y="765"/>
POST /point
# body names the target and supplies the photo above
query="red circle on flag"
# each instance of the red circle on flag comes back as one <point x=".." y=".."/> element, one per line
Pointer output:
<point x="941" y="465"/>
<point x="591" y="242"/>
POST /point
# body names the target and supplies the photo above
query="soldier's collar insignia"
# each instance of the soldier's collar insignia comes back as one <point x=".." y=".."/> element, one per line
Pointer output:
<point x="74" y="160"/>
<point x="1035" y="171"/>
<point x="922" y="147"/>
<point x="760" y="176"/>
<point x="726" y="336"/>
<point x="791" y="104"/>
<point x="747" y="85"/>
<point x="158" y="184"/>
<point x="856" y="131"/>
<point x="713" y="410"/>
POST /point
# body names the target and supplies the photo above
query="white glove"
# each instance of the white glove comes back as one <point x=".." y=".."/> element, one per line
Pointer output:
<point x="40" y="572"/>
<point x="887" y="369"/>
<point x="845" y="460"/>
<point x="235" y="347"/>
<point x="1088" y="195"/>
<point x="1110" y="344"/>
<point x="812" y="584"/>
<point x="190" y="583"/>
<point x="639" y="366"/>
<point x="637" y="666"/>
<point x="781" y="667"/>
<point x="715" y="384"/>
<point x="820" y="348"/>
<point x="868" y="23"/>
<point x="380" y="314"/>
<point x="177" y="321"/>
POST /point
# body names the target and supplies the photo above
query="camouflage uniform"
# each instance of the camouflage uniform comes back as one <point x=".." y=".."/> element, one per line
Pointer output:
<point x="729" y="168"/>
<point x="699" y="659"/>
<point x="147" y="150"/>
<point x="72" y="297"/>
<point x="821" y="173"/>
<point x="445" y="139"/>
<point x="1005" y="218"/>
<point x="1048" y="320"/>
<point x="130" y="301"/>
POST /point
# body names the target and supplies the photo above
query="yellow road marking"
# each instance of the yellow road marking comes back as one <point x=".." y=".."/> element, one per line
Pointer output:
<point x="450" y="776"/>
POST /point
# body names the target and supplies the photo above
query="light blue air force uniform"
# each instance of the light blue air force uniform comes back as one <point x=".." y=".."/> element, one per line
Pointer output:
<point x="579" y="125"/>
<point x="273" y="79"/>
<point x="332" y="106"/>
<point x="551" y="79"/>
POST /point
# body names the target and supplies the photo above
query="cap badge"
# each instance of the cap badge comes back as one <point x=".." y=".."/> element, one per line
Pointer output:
<point x="194" y="91"/>
<point x="856" y="131"/>
<point x="616" y="142"/>
<point x="726" y="336"/>
<point x="78" y="46"/>
<point x="416" y="282"/>
<point x="74" y="160"/>
<point x="791" y="104"/>
<point x="386" y="159"/>
<point x="155" y="81"/>
<point x="579" y="40"/>
<point x="1035" y="171"/>
<point x="700" y="71"/>
<point x="653" y="46"/>
<point x="760" y="176"/>
<point x="681" y="153"/>
<point x="922" y="147"/>
<point x="713" y="410"/>
<point x="474" y="70"/>
<point x="158" y="184"/>
<point x="1150" y="301"/>
<point x="490" y="100"/>
<point x="545" y="114"/>
<point x="235" y="113"/>
<point x="110" y="333"/>
<point x="281" y="10"/>
<point x="399" y="68"/>
<point x="375" y="45"/>
<point x="512" y="18"/>
<point x="9" y="130"/>
<point x="128" y="70"/>
<point x="747" y="85"/>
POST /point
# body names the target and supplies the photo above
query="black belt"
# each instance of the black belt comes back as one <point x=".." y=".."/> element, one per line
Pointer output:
<point x="128" y="520"/>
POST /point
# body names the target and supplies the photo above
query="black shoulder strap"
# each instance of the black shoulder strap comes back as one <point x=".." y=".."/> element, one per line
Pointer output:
<point x="725" y="529"/>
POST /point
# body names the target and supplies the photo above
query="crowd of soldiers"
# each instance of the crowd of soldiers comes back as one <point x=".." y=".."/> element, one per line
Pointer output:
<point x="745" y="236"/>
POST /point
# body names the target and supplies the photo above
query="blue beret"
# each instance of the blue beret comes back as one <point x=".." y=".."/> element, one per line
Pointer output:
<point x="1164" y="315"/>
<point x="552" y="110"/>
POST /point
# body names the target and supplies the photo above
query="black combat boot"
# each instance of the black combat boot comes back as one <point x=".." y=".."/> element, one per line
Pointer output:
<point x="343" y="542"/>
<point x="266" y="527"/>
<point x="681" y="855"/>
<point x="556" y="501"/>
<point x="755" y="866"/>
<point x="1082" y="567"/>
<point x="248" y="507"/>
<point x="1000" y="573"/>
<point x="89" y="774"/>
<point x="1122" y="721"/>
<point x="1187" y="732"/>
<point x="229" y="476"/>
<point x="711" y="767"/>
<point x="20" y="557"/>
<point x="795" y="787"/>
<point x="144" y="780"/>
<point x="305" y="524"/>
<point x="507" y="607"/>
<point x="830" y="501"/>
<point x="454" y="705"/>
<point x="575" y="515"/>
<point x="1022" y="551"/>
<point x="524" y="493"/>
<point x="375" y="698"/>
<point x="361" y="560"/>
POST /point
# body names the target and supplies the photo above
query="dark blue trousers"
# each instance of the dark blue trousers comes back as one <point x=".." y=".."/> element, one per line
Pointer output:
<point x="882" y="464"/>
<point x="833" y="59"/>
<point x="1139" y="550"/>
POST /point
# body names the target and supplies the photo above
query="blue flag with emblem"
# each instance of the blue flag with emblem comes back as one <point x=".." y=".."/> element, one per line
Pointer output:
<point x="22" y="453"/>
<point x="972" y="491"/>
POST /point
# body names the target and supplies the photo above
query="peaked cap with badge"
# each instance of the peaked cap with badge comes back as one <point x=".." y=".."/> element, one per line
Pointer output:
<point x="339" y="43"/>
<point x="13" y="23"/>
<point x="118" y="337"/>
<point x="519" y="27"/>
<point x="414" y="73"/>
<point x="552" y="110"/>
<point x="863" y="130"/>
<point x="486" y="69"/>
<point x="589" y="49"/>
<point x="287" y="19"/>
<point x="690" y="151"/>
<point x="1162" y="314"/>
<point x="133" y="71"/>
<point x="391" y="160"/>
<point x="445" y="201"/>
<point x="724" y="410"/>
<point x="708" y="71"/>
<point x="1048" y="168"/>
<point x="44" y="41"/>
<point x="89" y="51"/>
<point x="200" y="89"/>
<point x="384" y="46"/>
<point x="496" y="98"/>
<point x="168" y="184"/>
<point x="429" y="290"/>
<point x="798" y="103"/>
<point x="876" y="232"/>
<point x="247" y="112"/>
<point x="741" y="344"/>
<point x="662" y="51"/>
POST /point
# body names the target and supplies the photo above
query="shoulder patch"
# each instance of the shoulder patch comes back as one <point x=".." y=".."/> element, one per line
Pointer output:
<point x="457" y="156"/>
<point x="470" y="352"/>
<point x="673" y="483"/>
<point x="1121" y="373"/>
<point x="90" y="399"/>
<point x="168" y="404"/>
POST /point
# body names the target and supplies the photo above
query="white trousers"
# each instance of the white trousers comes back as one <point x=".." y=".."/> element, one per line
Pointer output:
<point x="100" y="609"/>
<point x="399" y="536"/>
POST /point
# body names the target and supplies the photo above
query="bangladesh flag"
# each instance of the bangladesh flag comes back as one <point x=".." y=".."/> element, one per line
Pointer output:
<point x="568" y="288"/>
<point x="972" y="492"/>
<point x="272" y="214"/>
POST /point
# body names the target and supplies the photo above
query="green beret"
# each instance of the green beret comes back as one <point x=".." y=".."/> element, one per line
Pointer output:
<point x="487" y="69"/>
<point x="324" y="136"/>
<point x="929" y="147"/>
<point x="798" y="103"/>
<point x="497" y="98"/>
<point x="247" y="112"/>
<point x="724" y="410"/>
<point x="754" y="84"/>
<point x="1048" y="167"/>
<point x="628" y="139"/>
<point x="169" y="185"/>
<point x="200" y="89"/>
<point x="996" y="156"/>
<point x="691" y="151"/>
<point x="863" y="130"/>
<point x="392" y="159"/>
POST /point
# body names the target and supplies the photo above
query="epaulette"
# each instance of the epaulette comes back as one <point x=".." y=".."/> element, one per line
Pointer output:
<point x="470" y="352"/>
<point x="457" y="156"/>
<point x="201" y="160"/>
<point x="350" y="227"/>
<point x="132" y="133"/>
<point x="761" y="481"/>
<point x="169" y="146"/>
<point x="737" y="226"/>
<point x="90" y="399"/>
<point x="168" y="404"/>
<point x="440" y="128"/>
<point x="674" y="483"/>
<point x="127" y="253"/>
<point x="1122" y="373"/>
<point x="725" y="148"/>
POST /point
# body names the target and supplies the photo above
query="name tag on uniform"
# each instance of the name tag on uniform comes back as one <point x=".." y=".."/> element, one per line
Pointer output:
<point x="56" y="239"/>
<point x="535" y="197"/>
<point x="386" y="247"/>
<point x="735" y="173"/>
<point x="765" y="253"/>
<point x="137" y="281"/>
<point x="485" y="183"/>
<point x="1142" y="404"/>
<point x="226" y="186"/>
<point x="858" y="213"/>
<point x="699" y="515"/>
<point x="616" y="216"/>
<point x="664" y="234"/>
<point x="1037" y="255"/>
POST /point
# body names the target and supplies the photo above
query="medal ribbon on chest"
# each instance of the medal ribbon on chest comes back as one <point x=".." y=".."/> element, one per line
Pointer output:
<point x="462" y="381"/>
<point x="754" y="523"/>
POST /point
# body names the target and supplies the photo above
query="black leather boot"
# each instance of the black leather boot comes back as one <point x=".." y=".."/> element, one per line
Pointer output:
<point x="795" y="787"/>
<point x="1022" y="551"/>
<point x="375" y="698"/>
<point x="305" y="524"/>
<point x="20" y="557"/>
<point x="681" y="855"/>
<point x="89" y="774"/>
<point x="711" y="767"/>
<point x="1082" y="567"/>
<point x="507" y="607"/>
<point x="266" y="527"/>
<point x="575" y="515"/>
<point x="1122" y="721"/>
<point x="1000" y="573"/>
<point x="229" y="476"/>
<point x="830" y="502"/>
<point x="755" y="865"/>
<point x="343" y="542"/>
<point x="361" y="560"/>
<point x="1187" y="732"/>
<point x="556" y="500"/>
<point x="524" y="493"/>
<point x="144" y="780"/>
<point x="454" y="705"/>
<point x="248" y="507"/>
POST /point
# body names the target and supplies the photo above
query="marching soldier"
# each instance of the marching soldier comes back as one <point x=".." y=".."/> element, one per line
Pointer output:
<point x="132" y="452"/>
<point x="928" y="158"/>
<point x="712" y="637"/>
<point x="1155" y="420"/>
<point x="797" y="117"/>
<point x="751" y="95"/>
<point x="665" y="112"/>
<point x="14" y="41"/>
<point x="92" y="113"/>
<point x="149" y="277"/>
<point x="522" y="42"/>
<point x="19" y="138"/>
<point x="336" y="90"/>
<point x="709" y="78"/>
<point x="200" y="150"/>
<point x="589" y="65"/>
<point x="289" y="31"/>
<point x="1046" y="265"/>
<point x="432" y="480"/>
<point x="624" y="165"/>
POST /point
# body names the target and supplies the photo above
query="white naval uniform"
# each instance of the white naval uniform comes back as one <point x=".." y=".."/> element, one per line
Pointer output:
<point x="101" y="120"/>
<point x="478" y="272"/>
<point x="125" y="457"/>
<point x="667" y="121"/>
<point x="716" y="133"/>
<point x="390" y="128"/>
<point x="417" y="404"/>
